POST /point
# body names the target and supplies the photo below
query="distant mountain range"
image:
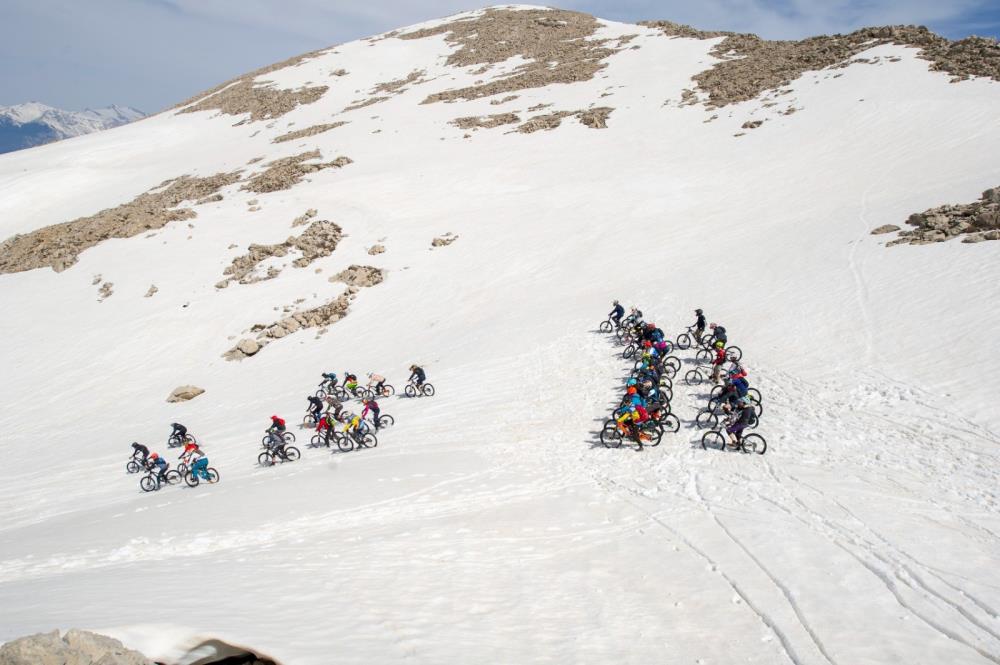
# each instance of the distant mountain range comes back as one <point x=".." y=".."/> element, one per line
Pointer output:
<point x="31" y="124"/>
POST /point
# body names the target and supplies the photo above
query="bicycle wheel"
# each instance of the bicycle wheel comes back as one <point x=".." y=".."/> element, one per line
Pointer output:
<point x="654" y="434"/>
<point x="693" y="377"/>
<point x="754" y="395"/>
<point x="706" y="419"/>
<point x="670" y="371"/>
<point x="736" y="351"/>
<point x="410" y="391"/>
<point x="264" y="459"/>
<point x="610" y="436"/>
<point x="340" y="394"/>
<point x="713" y="439"/>
<point x="173" y="441"/>
<point x="703" y="356"/>
<point x="369" y="440"/>
<point x="320" y="393"/>
<point x="716" y="391"/>
<point x="758" y="408"/>
<point x="172" y="477"/>
<point x="149" y="484"/>
<point x="316" y="441"/>
<point x="388" y="390"/>
<point x="289" y="437"/>
<point x="754" y="443"/>
<point x="345" y="443"/>
<point x="191" y="479"/>
<point x="213" y="475"/>
<point x="605" y="327"/>
<point x="629" y="351"/>
<point x="189" y="438"/>
<point x="670" y="423"/>
<point x="684" y="341"/>
<point x="666" y="382"/>
<point x="133" y="467"/>
<point x="386" y="420"/>
<point x="292" y="453"/>
<point x="182" y="468"/>
<point x="308" y="420"/>
<point x="428" y="390"/>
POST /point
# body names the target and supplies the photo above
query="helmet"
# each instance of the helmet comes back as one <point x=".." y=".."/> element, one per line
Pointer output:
<point x="631" y="382"/>
<point x="412" y="367"/>
<point x="154" y="456"/>
<point x="631" y="390"/>
<point x="719" y="344"/>
<point x="697" y="311"/>
<point x="615" y="302"/>
<point x="173" y="424"/>
<point x="732" y="358"/>
<point x="135" y="444"/>
<point x="711" y="325"/>
<point x="275" y="418"/>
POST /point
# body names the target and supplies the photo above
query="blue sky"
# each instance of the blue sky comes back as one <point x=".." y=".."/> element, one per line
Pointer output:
<point x="151" y="54"/>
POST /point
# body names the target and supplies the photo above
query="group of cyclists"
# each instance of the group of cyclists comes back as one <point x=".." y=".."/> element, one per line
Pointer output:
<point x="327" y="409"/>
<point x="645" y="405"/>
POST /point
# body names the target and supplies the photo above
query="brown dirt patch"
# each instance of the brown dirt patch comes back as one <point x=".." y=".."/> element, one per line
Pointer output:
<point x="975" y="222"/>
<point x="485" y="121"/>
<point x="308" y="131"/>
<point x="508" y="98"/>
<point x="396" y="87"/>
<point x="554" y="41"/>
<point x="58" y="246"/>
<point x="361" y="276"/>
<point x="317" y="241"/>
<point x="752" y="65"/>
<point x="595" y="118"/>
<point x="288" y="172"/>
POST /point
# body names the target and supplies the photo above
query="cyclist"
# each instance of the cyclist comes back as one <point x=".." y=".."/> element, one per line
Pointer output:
<point x="179" y="431"/>
<point x="325" y="427"/>
<point x="371" y="406"/>
<point x="276" y="438"/>
<point x="315" y="406"/>
<point x="158" y="464"/>
<point x="351" y="424"/>
<point x="699" y="326"/>
<point x="335" y="404"/>
<point x="417" y="376"/>
<point x="139" y="449"/>
<point x="350" y="382"/>
<point x="746" y="415"/>
<point x="196" y="460"/>
<point x="718" y="333"/>
<point x="718" y="360"/>
<point x="330" y="378"/>
<point x="379" y="382"/>
<point x="617" y="312"/>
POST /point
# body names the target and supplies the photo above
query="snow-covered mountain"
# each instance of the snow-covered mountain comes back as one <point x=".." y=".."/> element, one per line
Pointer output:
<point x="470" y="194"/>
<point x="31" y="124"/>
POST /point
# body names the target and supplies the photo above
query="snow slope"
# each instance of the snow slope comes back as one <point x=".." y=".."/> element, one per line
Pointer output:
<point x="490" y="523"/>
<point x="33" y="123"/>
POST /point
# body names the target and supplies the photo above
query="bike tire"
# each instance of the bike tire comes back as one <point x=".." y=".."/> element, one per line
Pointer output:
<point x="133" y="467"/>
<point x="683" y="341"/>
<point x="345" y="443"/>
<point x="320" y="393"/>
<point x="713" y="440"/>
<point x="672" y="361"/>
<point x="182" y="468"/>
<point x="316" y="440"/>
<point x="369" y="440"/>
<point x="754" y="443"/>
<point x="264" y="459"/>
<point x="754" y="395"/>
<point x="428" y="390"/>
<point x="758" y="409"/>
<point x="386" y="420"/>
<point x="670" y="423"/>
<point x="629" y="351"/>
<point x="706" y="419"/>
<point x="670" y="371"/>
<point x="610" y="436"/>
<point x="308" y="420"/>
<point x="693" y="377"/>
<point x="736" y="351"/>
<point x="213" y="475"/>
<point x="715" y="392"/>
<point x="388" y="390"/>
<point x="703" y="356"/>
<point x="410" y="391"/>
<point x="149" y="484"/>
<point x="172" y="477"/>
<point x="655" y="434"/>
<point x="289" y="437"/>
<point x="191" y="479"/>
<point x="605" y="327"/>
<point x="340" y="394"/>
<point x="292" y="453"/>
<point x="174" y="441"/>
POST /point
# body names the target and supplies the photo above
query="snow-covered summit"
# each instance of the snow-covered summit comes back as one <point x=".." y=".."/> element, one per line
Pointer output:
<point x="33" y="123"/>
<point x="469" y="195"/>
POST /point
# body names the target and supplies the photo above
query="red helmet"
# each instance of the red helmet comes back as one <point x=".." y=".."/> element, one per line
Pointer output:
<point x="631" y="390"/>
<point x="154" y="456"/>
<point x="275" y="418"/>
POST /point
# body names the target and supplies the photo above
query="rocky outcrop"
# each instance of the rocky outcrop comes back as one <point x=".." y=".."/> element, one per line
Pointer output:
<point x="184" y="393"/>
<point x="317" y="317"/>
<point x="885" y="228"/>
<point x="105" y="292"/>
<point x="751" y="65"/>
<point x="974" y="222"/>
<point x="485" y="121"/>
<point x="308" y="131"/>
<point x="304" y="217"/>
<point x="76" y="647"/>
<point x="319" y="240"/>
<point x="58" y="246"/>
<point x="362" y="276"/>
<point x="445" y="240"/>
<point x="287" y="172"/>
<point x="557" y="45"/>
<point x="396" y="86"/>
<point x="376" y="249"/>
<point x="595" y="118"/>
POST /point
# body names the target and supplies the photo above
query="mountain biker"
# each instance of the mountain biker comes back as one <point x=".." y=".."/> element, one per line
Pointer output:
<point x="699" y="325"/>
<point x="331" y="378"/>
<point x="372" y="406"/>
<point x="160" y="465"/>
<point x="179" y="431"/>
<point x="276" y="438"/>
<point x="718" y="333"/>
<point x="335" y="404"/>
<point x="746" y="415"/>
<point x="315" y="406"/>
<point x="417" y="376"/>
<point x="139" y="449"/>
<point x="351" y="423"/>
<point x="378" y="380"/>
<point x="325" y="426"/>
<point x="718" y="360"/>
<point x="350" y="382"/>
<point x="617" y="313"/>
<point x="196" y="460"/>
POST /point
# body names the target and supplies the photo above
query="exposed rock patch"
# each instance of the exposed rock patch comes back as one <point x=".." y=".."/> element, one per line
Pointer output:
<point x="304" y="217"/>
<point x="288" y="172"/>
<point x="445" y="240"/>
<point x="975" y="222"/>
<point x="362" y="276"/>
<point x="752" y="124"/>
<point x="376" y="249"/>
<point x="58" y="246"/>
<point x="317" y="241"/>
<point x="485" y="121"/>
<point x="308" y="131"/>
<point x="214" y="198"/>
<point x="396" y="87"/>
<point x="752" y="65"/>
<point x="595" y="118"/>
<point x="365" y="102"/>
<point x="508" y="98"/>
<point x="556" y="43"/>
<point x="885" y="228"/>
<point x="184" y="393"/>
<point x="76" y="647"/>
<point x="151" y="292"/>
<point x="317" y="317"/>
<point x="105" y="292"/>
<point x="262" y="102"/>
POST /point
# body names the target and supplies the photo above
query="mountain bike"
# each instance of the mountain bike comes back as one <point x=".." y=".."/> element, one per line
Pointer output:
<point x="289" y="437"/>
<point x="347" y="441"/>
<point x="175" y="440"/>
<point x="425" y="389"/>
<point x="151" y="482"/>
<point x="686" y="339"/>
<point x="648" y="433"/>
<point x="134" y="466"/>
<point x="369" y="392"/>
<point x="193" y="480"/>
<point x="718" y="439"/>
<point x="278" y="454"/>
<point x="326" y="387"/>
<point x="607" y="326"/>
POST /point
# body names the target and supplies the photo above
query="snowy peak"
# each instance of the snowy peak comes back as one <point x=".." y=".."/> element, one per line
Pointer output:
<point x="34" y="123"/>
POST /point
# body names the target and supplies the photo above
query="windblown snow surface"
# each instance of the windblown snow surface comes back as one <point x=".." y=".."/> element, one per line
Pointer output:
<point x="490" y="524"/>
